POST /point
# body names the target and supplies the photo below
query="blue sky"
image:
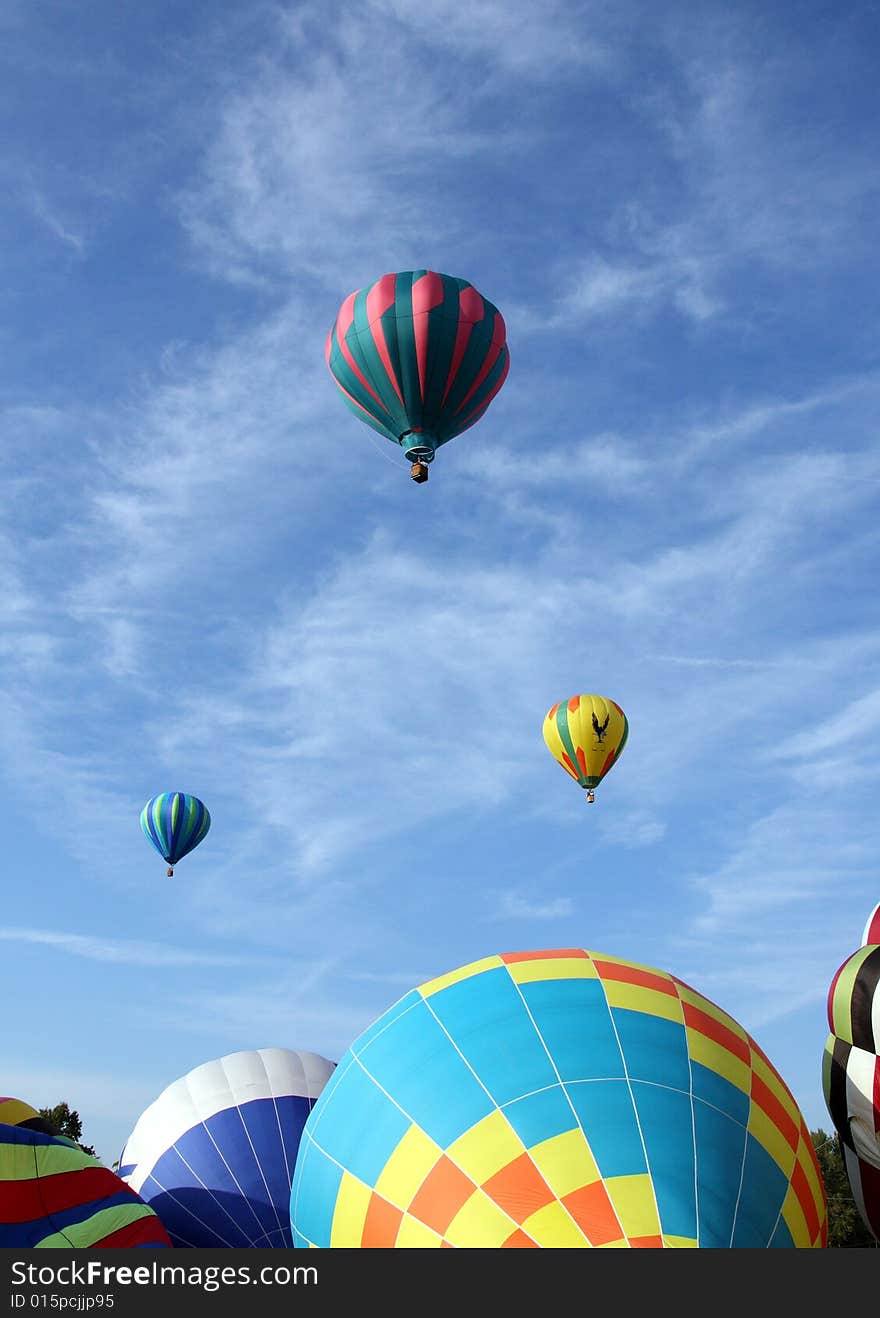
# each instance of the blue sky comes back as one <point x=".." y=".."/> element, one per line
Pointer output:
<point x="215" y="580"/>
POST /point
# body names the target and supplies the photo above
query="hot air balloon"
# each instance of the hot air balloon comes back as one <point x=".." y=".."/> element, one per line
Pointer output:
<point x="557" y="1098"/>
<point x="53" y="1195"/>
<point x="851" y="1075"/>
<point x="871" y="931"/>
<point x="419" y="356"/>
<point x="214" y="1154"/>
<point x="15" y="1112"/>
<point x="175" y="823"/>
<point x="586" y="735"/>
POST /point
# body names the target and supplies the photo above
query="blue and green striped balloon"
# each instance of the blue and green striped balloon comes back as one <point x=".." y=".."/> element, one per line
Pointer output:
<point x="175" y="822"/>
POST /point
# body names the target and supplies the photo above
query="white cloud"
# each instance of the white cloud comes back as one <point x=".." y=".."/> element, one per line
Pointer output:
<point x="513" y="905"/>
<point x="532" y="44"/>
<point x="632" y="829"/>
<point x="292" y="183"/>
<point x="126" y="952"/>
<point x="837" y="723"/>
<point x="48" y="216"/>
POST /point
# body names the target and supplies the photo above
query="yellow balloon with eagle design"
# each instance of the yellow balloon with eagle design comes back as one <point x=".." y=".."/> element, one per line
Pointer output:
<point x="586" y="734"/>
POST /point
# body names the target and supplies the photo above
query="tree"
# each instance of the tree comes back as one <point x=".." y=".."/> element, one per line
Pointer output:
<point x="66" y="1122"/>
<point x="846" y="1230"/>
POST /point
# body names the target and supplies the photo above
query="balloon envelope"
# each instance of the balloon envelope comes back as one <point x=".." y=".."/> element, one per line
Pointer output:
<point x="854" y="999"/>
<point x="418" y="356"/>
<point x="851" y="1073"/>
<point x="556" y="1098"/>
<point x="586" y="734"/>
<point x="13" y="1112"/>
<point x="55" y="1196"/>
<point x="175" y="823"/>
<point x="214" y="1154"/>
<point x="851" y="1085"/>
<point x="871" y="931"/>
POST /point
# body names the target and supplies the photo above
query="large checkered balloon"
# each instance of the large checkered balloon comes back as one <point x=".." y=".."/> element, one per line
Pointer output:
<point x="556" y="1098"/>
<point x="851" y="1070"/>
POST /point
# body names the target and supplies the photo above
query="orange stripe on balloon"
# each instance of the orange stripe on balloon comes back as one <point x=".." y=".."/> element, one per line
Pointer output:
<point x="770" y="1104"/>
<point x="712" y="1029"/>
<point x="801" y="1187"/>
<point x="634" y="975"/>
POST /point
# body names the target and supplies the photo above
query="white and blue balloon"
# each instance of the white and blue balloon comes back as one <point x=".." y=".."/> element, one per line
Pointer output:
<point x="214" y="1155"/>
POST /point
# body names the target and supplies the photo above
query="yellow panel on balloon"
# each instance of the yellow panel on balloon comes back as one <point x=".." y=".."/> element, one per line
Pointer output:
<point x="456" y="976"/>
<point x="636" y="997"/>
<point x="487" y="1147"/>
<point x="565" y="1162"/>
<point x="409" y="1164"/>
<point x="795" y="1220"/>
<point x="481" y="1223"/>
<point x="350" y="1214"/>
<point x="808" y="1166"/>
<point x="561" y="967"/>
<point x="632" y="965"/>
<point x="768" y="1134"/>
<point x="680" y="1242"/>
<point x="719" y="1059"/>
<point x="413" y="1234"/>
<point x="634" y="1203"/>
<point x="13" y="1111"/>
<point x="777" y="1087"/>
<point x="553" y="1227"/>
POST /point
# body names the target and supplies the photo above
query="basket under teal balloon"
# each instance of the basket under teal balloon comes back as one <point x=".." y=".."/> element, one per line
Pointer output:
<point x="175" y="823"/>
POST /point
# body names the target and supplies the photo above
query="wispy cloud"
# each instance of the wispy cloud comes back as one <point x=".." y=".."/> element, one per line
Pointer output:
<point x="290" y="185"/>
<point x="751" y="186"/>
<point x="632" y="829"/>
<point x="513" y="905"/>
<point x="125" y="952"/>
<point x="794" y="857"/>
<point x="849" y="724"/>
<point x="50" y="218"/>
<point x="530" y="44"/>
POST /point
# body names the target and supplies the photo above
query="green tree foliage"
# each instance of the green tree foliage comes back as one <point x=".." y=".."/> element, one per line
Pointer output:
<point x="846" y="1230"/>
<point x="66" y="1122"/>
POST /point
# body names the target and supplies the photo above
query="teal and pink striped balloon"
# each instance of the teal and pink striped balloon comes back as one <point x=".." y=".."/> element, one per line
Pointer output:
<point x="418" y="356"/>
<point x="175" y="822"/>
